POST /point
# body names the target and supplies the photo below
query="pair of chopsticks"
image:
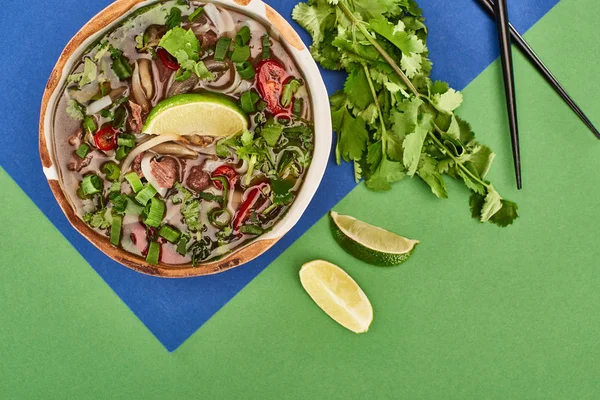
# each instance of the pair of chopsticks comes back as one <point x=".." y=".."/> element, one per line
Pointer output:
<point x="497" y="9"/>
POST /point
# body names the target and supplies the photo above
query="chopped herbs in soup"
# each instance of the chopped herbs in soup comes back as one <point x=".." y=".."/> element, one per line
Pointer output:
<point x="184" y="133"/>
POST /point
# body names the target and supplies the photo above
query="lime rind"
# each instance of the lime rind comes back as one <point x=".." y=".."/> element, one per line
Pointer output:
<point x="355" y="246"/>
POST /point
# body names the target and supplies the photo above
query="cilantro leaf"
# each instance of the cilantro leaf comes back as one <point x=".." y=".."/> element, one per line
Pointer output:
<point x="315" y="18"/>
<point x="407" y="42"/>
<point x="429" y="173"/>
<point x="353" y="135"/>
<point x="503" y="217"/>
<point x="357" y="89"/>
<point x="413" y="143"/>
<point x="448" y="101"/>
<point x="281" y="191"/>
<point x="178" y="39"/>
<point x="387" y="172"/>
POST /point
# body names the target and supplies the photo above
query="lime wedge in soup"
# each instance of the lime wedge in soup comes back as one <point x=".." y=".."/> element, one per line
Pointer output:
<point x="369" y="243"/>
<point x="194" y="113"/>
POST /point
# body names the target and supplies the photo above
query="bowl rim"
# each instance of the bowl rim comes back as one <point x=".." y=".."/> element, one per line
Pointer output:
<point x="97" y="26"/>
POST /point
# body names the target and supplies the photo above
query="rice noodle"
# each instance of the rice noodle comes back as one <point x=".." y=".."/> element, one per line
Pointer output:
<point x="147" y="145"/>
<point x="147" y="171"/>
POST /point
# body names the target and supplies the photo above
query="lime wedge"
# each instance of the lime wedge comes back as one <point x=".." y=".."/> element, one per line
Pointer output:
<point x="337" y="294"/>
<point x="202" y="114"/>
<point x="369" y="243"/>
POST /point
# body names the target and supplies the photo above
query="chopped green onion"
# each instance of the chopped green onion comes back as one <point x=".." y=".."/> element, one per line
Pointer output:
<point x="119" y="119"/>
<point x="169" y="233"/>
<point x="248" y="100"/>
<point x="91" y="184"/>
<point x="210" y="197"/>
<point x="115" y="229"/>
<point x="134" y="181"/>
<point x="266" y="47"/>
<point x="144" y="195"/>
<point x="120" y="64"/>
<point x="173" y="19"/>
<point x="243" y="36"/>
<point x="111" y="170"/>
<point x="240" y="54"/>
<point x="198" y="12"/>
<point x="154" y="212"/>
<point x="215" y="216"/>
<point x="126" y="140"/>
<point x="222" y="48"/>
<point x="289" y="90"/>
<point x="82" y="150"/>
<point x="261" y="105"/>
<point x="153" y="255"/>
<point x="89" y="124"/>
<point x="182" y="244"/>
<point x="298" y="106"/>
<point x="251" y="229"/>
<point x="122" y="152"/>
<point x="106" y="114"/>
<point x="246" y="70"/>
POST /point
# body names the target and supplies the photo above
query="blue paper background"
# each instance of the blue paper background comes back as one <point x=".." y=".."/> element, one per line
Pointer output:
<point x="462" y="42"/>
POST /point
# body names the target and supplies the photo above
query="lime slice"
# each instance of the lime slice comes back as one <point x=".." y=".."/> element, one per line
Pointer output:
<point x="369" y="243"/>
<point x="202" y="114"/>
<point x="337" y="294"/>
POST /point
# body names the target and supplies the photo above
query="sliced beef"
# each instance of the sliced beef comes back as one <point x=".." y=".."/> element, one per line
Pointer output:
<point x="198" y="179"/>
<point x="77" y="163"/>
<point x="136" y="165"/>
<point x="135" y="120"/>
<point x="165" y="171"/>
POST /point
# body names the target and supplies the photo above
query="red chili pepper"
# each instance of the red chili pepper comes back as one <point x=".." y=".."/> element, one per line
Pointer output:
<point x="250" y="198"/>
<point x="167" y="59"/>
<point x="106" y="138"/>
<point x="228" y="172"/>
<point x="271" y="76"/>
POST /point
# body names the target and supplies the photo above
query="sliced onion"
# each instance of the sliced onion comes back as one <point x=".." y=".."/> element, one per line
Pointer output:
<point x="98" y="105"/>
<point x="146" y="77"/>
<point x="228" y="89"/>
<point x="243" y="168"/>
<point x="222" y="20"/>
<point x="147" y="145"/>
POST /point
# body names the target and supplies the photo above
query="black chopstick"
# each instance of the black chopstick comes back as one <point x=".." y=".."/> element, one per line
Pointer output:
<point x="509" y="84"/>
<point x="537" y="62"/>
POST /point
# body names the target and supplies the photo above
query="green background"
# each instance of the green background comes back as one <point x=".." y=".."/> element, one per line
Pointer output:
<point x="478" y="312"/>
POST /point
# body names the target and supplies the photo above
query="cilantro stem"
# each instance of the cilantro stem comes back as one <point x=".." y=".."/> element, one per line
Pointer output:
<point x="358" y="23"/>
<point x="355" y="21"/>
<point x="374" y="94"/>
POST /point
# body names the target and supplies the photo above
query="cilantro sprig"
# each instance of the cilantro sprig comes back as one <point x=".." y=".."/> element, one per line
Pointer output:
<point x="391" y="119"/>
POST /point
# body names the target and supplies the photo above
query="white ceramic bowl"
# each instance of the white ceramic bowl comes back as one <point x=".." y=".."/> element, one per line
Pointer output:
<point x="98" y="26"/>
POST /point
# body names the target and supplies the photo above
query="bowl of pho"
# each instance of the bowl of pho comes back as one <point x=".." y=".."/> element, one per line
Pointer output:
<point x="185" y="138"/>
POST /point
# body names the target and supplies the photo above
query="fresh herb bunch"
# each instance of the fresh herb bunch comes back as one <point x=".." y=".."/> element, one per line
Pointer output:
<point x="391" y="119"/>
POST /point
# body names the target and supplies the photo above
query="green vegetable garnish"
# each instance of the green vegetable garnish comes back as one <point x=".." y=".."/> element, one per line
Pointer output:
<point x="111" y="171"/>
<point x="185" y="47"/>
<point x="222" y="48"/>
<point x="196" y="14"/>
<point x="91" y="184"/>
<point x="289" y="90"/>
<point x="82" y="150"/>
<point x="173" y="19"/>
<point x="391" y="119"/>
